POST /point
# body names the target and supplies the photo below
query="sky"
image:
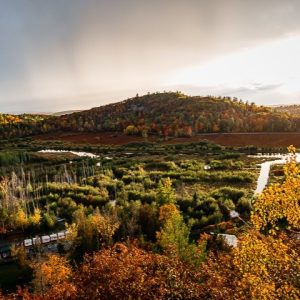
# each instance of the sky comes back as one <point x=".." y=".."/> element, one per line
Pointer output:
<point x="74" y="54"/>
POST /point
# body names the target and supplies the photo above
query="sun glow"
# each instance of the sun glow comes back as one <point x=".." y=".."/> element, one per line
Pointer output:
<point x="275" y="64"/>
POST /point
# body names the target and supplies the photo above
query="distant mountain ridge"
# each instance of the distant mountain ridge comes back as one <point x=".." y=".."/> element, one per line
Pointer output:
<point x="165" y="114"/>
<point x="66" y="112"/>
<point x="43" y="113"/>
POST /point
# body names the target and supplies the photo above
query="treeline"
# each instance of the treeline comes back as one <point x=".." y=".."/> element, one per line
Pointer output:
<point x="164" y="114"/>
<point x="12" y="126"/>
<point x="8" y="119"/>
<point x="291" y="109"/>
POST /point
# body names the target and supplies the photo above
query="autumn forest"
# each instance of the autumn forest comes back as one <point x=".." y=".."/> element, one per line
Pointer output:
<point x="151" y="218"/>
<point x="161" y="114"/>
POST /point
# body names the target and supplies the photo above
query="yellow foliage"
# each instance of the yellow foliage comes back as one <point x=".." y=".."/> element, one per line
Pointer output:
<point x="20" y="219"/>
<point x="279" y="204"/>
<point x="268" y="267"/>
<point x="72" y="230"/>
<point x="36" y="217"/>
<point x="105" y="225"/>
<point x="52" y="271"/>
<point x="167" y="211"/>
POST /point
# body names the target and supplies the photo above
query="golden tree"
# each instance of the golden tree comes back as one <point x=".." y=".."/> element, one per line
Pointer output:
<point x="35" y="219"/>
<point x="51" y="271"/>
<point x="266" y="263"/>
<point x="105" y="225"/>
<point x="20" y="219"/>
<point x="279" y="204"/>
<point x="267" y="267"/>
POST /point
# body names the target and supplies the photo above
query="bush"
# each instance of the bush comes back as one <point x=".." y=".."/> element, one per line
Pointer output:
<point x="228" y="193"/>
<point x="244" y="206"/>
<point x="48" y="221"/>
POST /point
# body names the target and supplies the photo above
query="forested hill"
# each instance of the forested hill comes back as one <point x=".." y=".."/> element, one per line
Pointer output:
<point x="293" y="109"/>
<point x="163" y="114"/>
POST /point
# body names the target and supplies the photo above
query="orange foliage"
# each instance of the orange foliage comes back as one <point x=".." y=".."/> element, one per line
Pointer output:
<point x="131" y="273"/>
<point x="51" y="272"/>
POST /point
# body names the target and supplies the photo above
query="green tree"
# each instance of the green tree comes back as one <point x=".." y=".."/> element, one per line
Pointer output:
<point x="173" y="237"/>
<point x="166" y="193"/>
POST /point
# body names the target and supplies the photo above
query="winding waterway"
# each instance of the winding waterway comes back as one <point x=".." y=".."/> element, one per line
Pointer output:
<point x="265" y="167"/>
<point x="78" y="153"/>
<point x="263" y="177"/>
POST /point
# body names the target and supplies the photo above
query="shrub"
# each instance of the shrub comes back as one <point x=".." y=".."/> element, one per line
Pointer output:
<point x="244" y="206"/>
<point x="228" y="193"/>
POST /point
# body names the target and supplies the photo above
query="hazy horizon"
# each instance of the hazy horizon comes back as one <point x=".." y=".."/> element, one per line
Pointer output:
<point x="77" y="54"/>
<point x="111" y="101"/>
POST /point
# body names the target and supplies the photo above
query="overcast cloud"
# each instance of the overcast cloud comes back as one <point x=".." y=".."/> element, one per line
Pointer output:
<point x="69" y="54"/>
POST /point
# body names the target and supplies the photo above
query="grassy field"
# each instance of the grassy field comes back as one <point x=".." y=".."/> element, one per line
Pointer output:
<point x="225" y="139"/>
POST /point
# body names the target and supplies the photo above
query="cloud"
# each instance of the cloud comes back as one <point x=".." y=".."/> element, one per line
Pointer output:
<point x="266" y="87"/>
<point x="65" y="49"/>
<point x="252" y="73"/>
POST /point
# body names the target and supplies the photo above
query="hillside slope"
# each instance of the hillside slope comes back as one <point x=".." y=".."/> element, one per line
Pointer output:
<point x="293" y="109"/>
<point x="166" y="114"/>
<point x="175" y="114"/>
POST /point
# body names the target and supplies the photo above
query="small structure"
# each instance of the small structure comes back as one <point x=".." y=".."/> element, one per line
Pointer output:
<point x="61" y="235"/>
<point x="230" y="239"/>
<point x="36" y="240"/>
<point x="233" y="214"/>
<point x="28" y="242"/>
<point x="53" y="237"/>
<point x="45" y="239"/>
